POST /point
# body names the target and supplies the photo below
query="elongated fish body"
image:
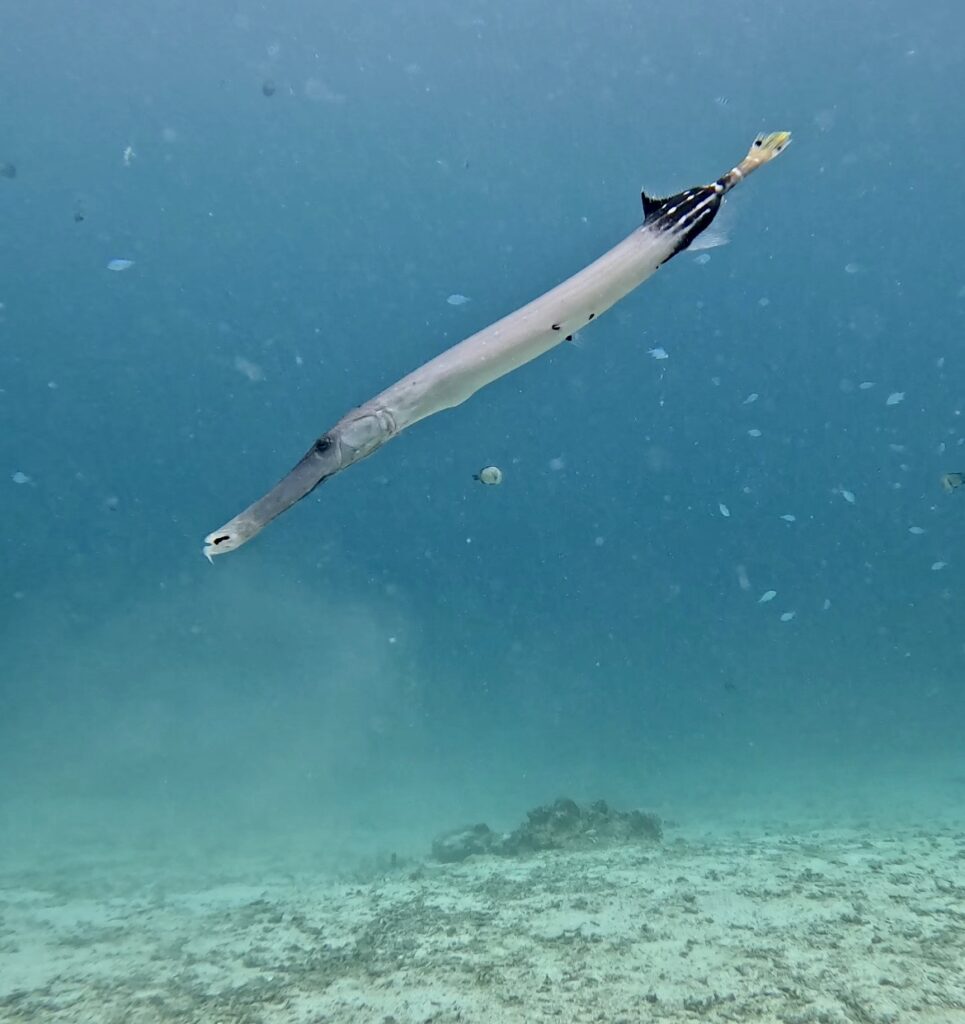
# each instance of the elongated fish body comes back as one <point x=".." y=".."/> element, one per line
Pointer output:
<point x="669" y="226"/>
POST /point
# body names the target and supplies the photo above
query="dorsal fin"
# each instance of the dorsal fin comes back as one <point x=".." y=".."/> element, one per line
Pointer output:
<point x="651" y="206"/>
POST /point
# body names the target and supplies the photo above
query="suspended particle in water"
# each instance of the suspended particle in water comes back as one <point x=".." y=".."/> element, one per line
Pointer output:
<point x="248" y="369"/>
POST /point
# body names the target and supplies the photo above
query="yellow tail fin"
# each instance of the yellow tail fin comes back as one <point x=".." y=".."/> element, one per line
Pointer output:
<point x="763" y="151"/>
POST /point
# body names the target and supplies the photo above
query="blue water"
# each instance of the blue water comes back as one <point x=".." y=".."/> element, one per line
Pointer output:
<point x="406" y="649"/>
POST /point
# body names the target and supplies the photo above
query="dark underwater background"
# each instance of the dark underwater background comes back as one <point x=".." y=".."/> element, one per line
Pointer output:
<point x="301" y="187"/>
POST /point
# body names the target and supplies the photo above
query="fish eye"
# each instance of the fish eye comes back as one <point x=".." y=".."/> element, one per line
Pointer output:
<point x="323" y="444"/>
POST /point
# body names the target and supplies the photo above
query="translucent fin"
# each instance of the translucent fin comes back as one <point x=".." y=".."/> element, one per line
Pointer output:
<point x="719" y="232"/>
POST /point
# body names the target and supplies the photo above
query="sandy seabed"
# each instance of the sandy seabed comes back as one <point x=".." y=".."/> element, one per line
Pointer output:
<point x="831" y="926"/>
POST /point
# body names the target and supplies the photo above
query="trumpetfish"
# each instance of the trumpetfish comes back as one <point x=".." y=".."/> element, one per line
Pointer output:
<point x="669" y="226"/>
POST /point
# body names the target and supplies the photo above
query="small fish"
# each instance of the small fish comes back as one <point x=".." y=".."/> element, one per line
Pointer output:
<point x="952" y="480"/>
<point x="936" y="566"/>
<point x="658" y="353"/>
<point x="129" y="155"/>
<point x="846" y="494"/>
<point x="866" y="385"/>
<point x="768" y="595"/>
<point x="457" y="300"/>
<point x="787" y="616"/>
<point x="724" y="510"/>
<point x="788" y="518"/>
<point x="916" y="530"/>
<point x="20" y="478"/>
<point x="895" y="397"/>
<point x="492" y="476"/>
<point x="751" y="398"/>
<point x="118" y="265"/>
<point x="753" y="432"/>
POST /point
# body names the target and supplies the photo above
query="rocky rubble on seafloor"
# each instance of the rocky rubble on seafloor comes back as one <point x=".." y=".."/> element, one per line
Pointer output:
<point x="561" y="825"/>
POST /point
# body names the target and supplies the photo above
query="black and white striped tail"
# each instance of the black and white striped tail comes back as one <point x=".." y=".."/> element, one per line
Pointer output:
<point x="685" y="215"/>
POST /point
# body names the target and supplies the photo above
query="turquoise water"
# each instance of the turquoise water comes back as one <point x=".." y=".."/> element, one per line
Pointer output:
<point x="407" y="650"/>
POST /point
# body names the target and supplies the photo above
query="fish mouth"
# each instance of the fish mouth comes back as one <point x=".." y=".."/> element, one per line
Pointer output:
<point x="320" y="462"/>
